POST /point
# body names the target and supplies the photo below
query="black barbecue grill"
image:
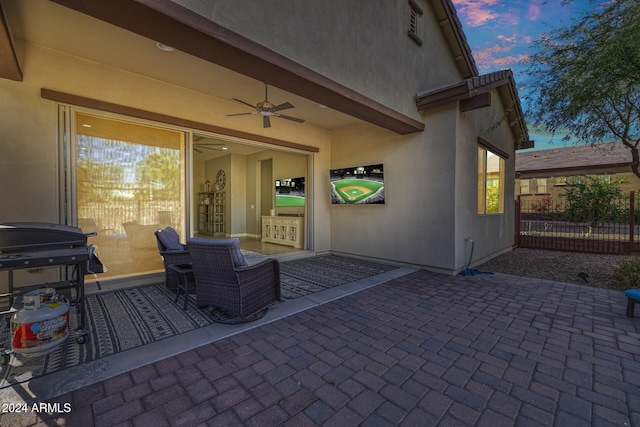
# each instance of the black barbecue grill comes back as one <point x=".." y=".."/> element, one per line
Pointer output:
<point x="26" y="245"/>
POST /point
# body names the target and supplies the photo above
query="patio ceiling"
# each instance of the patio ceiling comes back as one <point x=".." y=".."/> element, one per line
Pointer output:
<point x="208" y="58"/>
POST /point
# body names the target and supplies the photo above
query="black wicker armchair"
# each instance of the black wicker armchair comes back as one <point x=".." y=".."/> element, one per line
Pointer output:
<point x="225" y="281"/>
<point x="173" y="253"/>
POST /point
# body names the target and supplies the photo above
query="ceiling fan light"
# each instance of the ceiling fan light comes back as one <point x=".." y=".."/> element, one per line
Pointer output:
<point x="164" y="47"/>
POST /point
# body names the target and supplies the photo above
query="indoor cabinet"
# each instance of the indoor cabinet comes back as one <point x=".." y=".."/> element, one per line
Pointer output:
<point x="283" y="230"/>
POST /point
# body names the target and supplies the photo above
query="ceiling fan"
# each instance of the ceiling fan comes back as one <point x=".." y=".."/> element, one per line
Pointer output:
<point x="267" y="109"/>
<point x="197" y="145"/>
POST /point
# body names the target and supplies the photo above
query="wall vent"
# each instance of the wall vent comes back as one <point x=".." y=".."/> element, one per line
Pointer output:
<point x="416" y="12"/>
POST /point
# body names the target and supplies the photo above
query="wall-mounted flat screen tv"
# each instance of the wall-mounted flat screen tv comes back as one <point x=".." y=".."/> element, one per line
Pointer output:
<point x="290" y="192"/>
<point x="358" y="185"/>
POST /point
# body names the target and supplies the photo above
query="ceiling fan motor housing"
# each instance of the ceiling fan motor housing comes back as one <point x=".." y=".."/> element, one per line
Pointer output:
<point x="265" y="107"/>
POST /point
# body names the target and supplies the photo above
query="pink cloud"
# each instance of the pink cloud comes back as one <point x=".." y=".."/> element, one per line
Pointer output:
<point x="496" y="57"/>
<point x="476" y="13"/>
<point x="533" y="12"/>
<point x="508" y="39"/>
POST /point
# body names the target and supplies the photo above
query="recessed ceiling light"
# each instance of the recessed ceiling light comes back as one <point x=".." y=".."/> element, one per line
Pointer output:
<point x="224" y="148"/>
<point x="164" y="47"/>
<point x="86" y="125"/>
<point x="322" y="106"/>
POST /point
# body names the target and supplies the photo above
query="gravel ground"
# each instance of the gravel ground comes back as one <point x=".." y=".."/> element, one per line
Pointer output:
<point x="557" y="266"/>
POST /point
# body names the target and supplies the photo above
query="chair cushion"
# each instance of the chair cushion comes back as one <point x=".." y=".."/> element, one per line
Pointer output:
<point x="234" y="246"/>
<point x="170" y="239"/>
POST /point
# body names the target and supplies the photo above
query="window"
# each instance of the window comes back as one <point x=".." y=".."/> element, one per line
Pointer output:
<point x="416" y="12"/>
<point x="490" y="182"/>
<point x="541" y="185"/>
<point x="130" y="181"/>
<point x="524" y="186"/>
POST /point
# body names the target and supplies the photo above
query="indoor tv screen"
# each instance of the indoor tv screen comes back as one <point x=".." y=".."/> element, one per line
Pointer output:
<point x="290" y="192"/>
<point x="358" y="185"/>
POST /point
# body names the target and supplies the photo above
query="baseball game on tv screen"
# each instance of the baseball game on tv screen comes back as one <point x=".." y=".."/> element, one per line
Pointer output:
<point x="358" y="185"/>
<point x="290" y="192"/>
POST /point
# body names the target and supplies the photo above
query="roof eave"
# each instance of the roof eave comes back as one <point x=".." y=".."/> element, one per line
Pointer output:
<point x="447" y="17"/>
<point x="505" y="84"/>
<point x="191" y="33"/>
<point x="9" y="64"/>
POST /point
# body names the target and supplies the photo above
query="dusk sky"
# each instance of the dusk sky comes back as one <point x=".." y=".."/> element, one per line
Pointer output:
<point x="501" y="32"/>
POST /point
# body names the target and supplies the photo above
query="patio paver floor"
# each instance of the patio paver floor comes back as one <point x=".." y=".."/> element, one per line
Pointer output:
<point x="422" y="349"/>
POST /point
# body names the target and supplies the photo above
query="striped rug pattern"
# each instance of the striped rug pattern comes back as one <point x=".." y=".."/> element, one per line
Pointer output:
<point x="129" y="318"/>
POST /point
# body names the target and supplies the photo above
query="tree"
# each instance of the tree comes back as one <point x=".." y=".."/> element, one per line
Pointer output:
<point x="160" y="169"/>
<point x="586" y="78"/>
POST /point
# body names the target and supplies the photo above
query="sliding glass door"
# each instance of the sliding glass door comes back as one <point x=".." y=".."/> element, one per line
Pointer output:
<point x="129" y="180"/>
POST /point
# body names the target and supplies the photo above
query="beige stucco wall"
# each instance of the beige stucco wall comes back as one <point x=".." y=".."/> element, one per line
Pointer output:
<point x="430" y="189"/>
<point x="491" y="234"/>
<point x="362" y="46"/>
<point x="416" y="222"/>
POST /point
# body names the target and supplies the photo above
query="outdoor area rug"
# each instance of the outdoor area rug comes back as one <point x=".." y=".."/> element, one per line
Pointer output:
<point x="124" y="319"/>
<point x="308" y="275"/>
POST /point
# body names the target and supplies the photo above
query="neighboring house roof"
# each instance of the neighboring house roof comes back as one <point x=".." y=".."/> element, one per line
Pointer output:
<point x="574" y="158"/>
<point x="472" y="90"/>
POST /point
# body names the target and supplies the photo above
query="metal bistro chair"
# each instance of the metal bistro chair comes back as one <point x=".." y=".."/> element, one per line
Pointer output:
<point x="225" y="281"/>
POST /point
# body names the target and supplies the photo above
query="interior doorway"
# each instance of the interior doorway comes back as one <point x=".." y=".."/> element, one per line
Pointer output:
<point x="234" y="206"/>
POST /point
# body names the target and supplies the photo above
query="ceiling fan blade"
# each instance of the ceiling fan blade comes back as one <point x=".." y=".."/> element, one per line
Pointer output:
<point x="209" y="148"/>
<point x="245" y="103"/>
<point x="210" y="144"/>
<point x="283" y="106"/>
<point x="294" y="119"/>
<point x="240" y="114"/>
<point x="196" y="150"/>
<point x="266" y="122"/>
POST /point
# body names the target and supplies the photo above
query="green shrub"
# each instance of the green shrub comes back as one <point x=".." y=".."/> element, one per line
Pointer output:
<point x="594" y="200"/>
<point x="626" y="275"/>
